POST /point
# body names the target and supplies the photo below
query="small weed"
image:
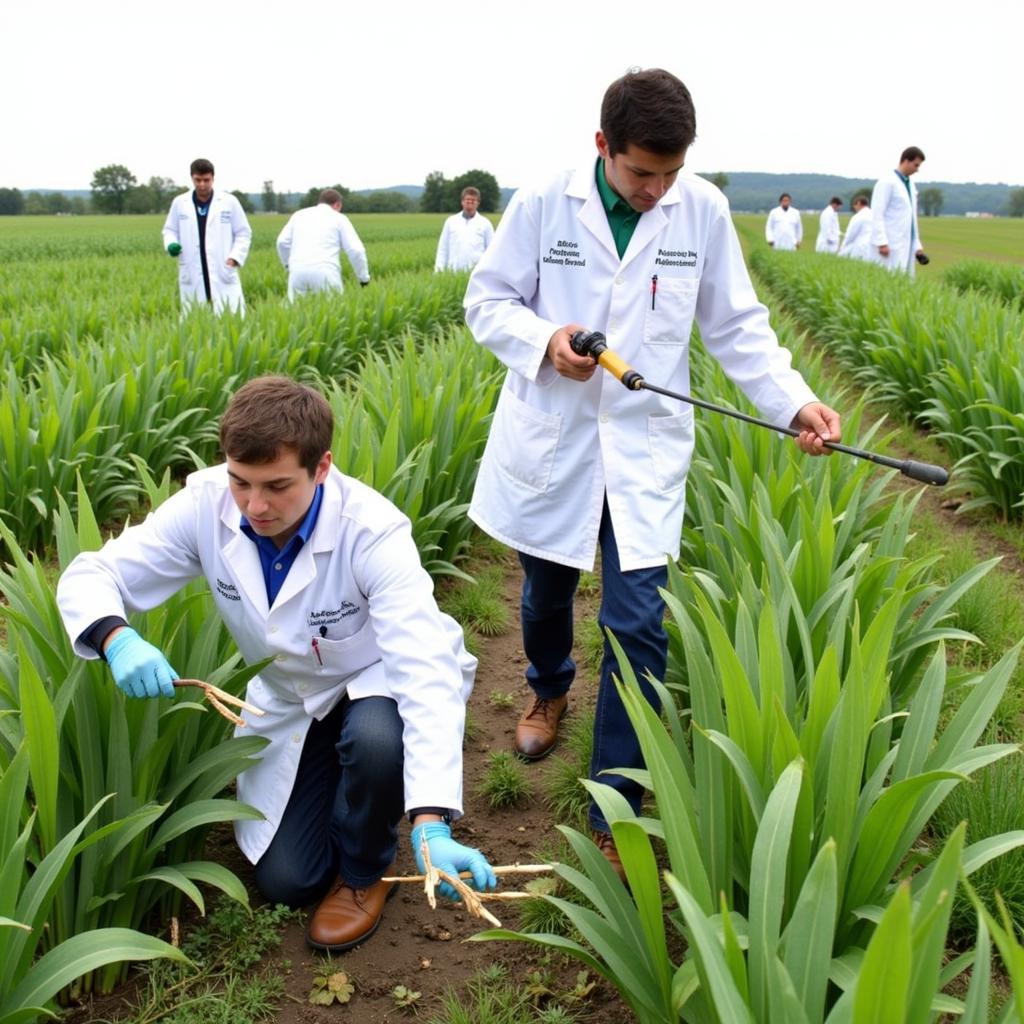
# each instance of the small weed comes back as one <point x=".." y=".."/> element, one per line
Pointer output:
<point x="480" y="605"/>
<point x="590" y="645"/>
<point x="501" y="700"/>
<point x="405" y="998"/>
<point x="992" y="802"/>
<point x="589" y="585"/>
<point x="583" y="987"/>
<point x="505" y="784"/>
<point x="471" y="730"/>
<point x="565" y="795"/>
<point x="538" y="986"/>
<point x="225" y="983"/>
<point x="330" y="986"/>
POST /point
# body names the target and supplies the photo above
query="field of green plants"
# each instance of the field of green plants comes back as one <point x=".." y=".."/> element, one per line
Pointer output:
<point x="828" y="696"/>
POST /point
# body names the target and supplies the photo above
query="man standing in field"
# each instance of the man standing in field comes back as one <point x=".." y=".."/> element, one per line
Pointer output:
<point x="895" y="239"/>
<point x="630" y="246"/>
<point x="209" y="235"/>
<point x="783" y="229"/>
<point x="364" y="695"/>
<point x="857" y="243"/>
<point x="310" y="242"/>
<point x="828" y="227"/>
<point x="465" y="236"/>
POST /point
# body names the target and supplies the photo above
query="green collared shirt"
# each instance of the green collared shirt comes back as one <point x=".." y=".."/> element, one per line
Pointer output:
<point x="622" y="218"/>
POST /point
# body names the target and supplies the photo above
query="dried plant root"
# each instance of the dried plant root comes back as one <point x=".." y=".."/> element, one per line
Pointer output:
<point x="218" y="698"/>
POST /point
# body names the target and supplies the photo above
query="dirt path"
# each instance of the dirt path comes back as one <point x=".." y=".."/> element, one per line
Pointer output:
<point x="424" y="950"/>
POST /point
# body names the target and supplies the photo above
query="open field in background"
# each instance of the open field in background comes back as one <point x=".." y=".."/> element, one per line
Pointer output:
<point x="822" y="652"/>
<point x="947" y="240"/>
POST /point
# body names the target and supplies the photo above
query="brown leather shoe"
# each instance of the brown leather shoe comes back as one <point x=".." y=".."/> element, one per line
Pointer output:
<point x="348" y="916"/>
<point x="606" y="845"/>
<point x="537" y="729"/>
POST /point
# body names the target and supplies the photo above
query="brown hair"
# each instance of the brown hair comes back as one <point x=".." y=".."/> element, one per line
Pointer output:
<point x="470" y="190"/>
<point x="651" y="109"/>
<point x="269" y="414"/>
<point x="200" y="166"/>
<point x="330" y="196"/>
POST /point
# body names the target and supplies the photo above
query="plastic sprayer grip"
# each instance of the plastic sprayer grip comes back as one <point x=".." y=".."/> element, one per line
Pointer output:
<point x="925" y="473"/>
<point x="613" y="363"/>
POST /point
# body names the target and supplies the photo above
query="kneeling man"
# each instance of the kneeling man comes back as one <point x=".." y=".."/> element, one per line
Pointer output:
<point x="365" y="698"/>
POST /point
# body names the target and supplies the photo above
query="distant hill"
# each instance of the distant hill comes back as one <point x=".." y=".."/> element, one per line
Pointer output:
<point x="754" y="192"/>
<point x="749" y="191"/>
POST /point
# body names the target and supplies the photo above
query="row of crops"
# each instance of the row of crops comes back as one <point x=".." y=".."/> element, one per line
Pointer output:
<point x="811" y="726"/>
<point x="951" y="361"/>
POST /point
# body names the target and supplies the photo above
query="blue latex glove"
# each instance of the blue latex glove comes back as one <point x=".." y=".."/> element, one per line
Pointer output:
<point x="448" y="855"/>
<point x="174" y="249"/>
<point x="139" y="668"/>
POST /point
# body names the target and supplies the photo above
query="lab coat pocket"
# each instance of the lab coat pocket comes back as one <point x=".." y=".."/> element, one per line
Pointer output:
<point x="229" y="275"/>
<point x="337" y="659"/>
<point x="668" y="318"/>
<point x="525" y="440"/>
<point x="670" y="440"/>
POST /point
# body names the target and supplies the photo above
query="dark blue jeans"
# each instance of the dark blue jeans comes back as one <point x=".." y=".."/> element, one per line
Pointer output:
<point x="343" y="813"/>
<point x="632" y="609"/>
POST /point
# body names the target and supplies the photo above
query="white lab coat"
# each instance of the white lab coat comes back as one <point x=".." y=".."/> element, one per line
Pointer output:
<point x="308" y="247"/>
<point x="228" y="236"/>
<point x="558" y="446"/>
<point x="828" y="231"/>
<point x="894" y="223"/>
<point x="857" y="243"/>
<point x="357" y="586"/>
<point x="463" y="241"/>
<point x="784" y="229"/>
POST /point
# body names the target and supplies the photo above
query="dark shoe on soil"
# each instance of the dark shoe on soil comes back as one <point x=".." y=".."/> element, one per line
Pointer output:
<point x="605" y="843"/>
<point x="537" y="730"/>
<point x="348" y="916"/>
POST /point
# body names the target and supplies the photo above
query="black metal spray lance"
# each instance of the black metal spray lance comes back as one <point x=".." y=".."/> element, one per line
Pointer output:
<point x="594" y="344"/>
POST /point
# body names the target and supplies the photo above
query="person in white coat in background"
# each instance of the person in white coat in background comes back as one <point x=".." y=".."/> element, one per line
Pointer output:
<point x="630" y="246"/>
<point x="857" y="240"/>
<point x="365" y="697"/>
<point x="828" y="227"/>
<point x="209" y="235"/>
<point x="309" y="245"/>
<point x="784" y="229"/>
<point x="465" y="236"/>
<point x="895" y="238"/>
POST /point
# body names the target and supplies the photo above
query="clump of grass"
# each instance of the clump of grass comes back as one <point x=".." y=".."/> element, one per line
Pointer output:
<point x="505" y="783"/>
<point x="589" y="585"/>
<point x="225" y="982"/>
<point x="565" y="794"/>
<point x="991" y="802"/>
<point x="491" y="997"/>
<point x="589" y="645"/>
<point x="471" y="730"/>
<point x="479" y="605"/>
<point x="501" y="700"/>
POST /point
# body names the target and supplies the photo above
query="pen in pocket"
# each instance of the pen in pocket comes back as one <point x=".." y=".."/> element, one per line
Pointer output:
<point x="316" y="651"/>
<point x="654" y="288"/>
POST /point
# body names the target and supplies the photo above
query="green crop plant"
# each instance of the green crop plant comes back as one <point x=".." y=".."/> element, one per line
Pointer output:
<point x="1003" y="280"/>
<point x="413" y="425"/>
<point x="143" y="777"/>
<point x="948" y="361"/>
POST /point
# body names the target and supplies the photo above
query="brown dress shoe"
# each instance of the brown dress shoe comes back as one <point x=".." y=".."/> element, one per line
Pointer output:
<point x="537" y="729"/>
<point x="348" y="916"/>
<point x="605" y="843"/>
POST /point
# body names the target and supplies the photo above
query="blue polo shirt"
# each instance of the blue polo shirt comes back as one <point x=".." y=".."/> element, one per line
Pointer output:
<point x="276" y="562"/>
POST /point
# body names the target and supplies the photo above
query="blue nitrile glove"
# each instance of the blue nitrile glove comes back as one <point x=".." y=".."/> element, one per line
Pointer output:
<point x="139" y="668"/>
<point x="448" y="855"/>
<point x="174" y="249"/>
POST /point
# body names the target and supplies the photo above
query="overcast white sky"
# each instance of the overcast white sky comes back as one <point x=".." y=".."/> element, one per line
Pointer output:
<point x="311" y="92"/>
